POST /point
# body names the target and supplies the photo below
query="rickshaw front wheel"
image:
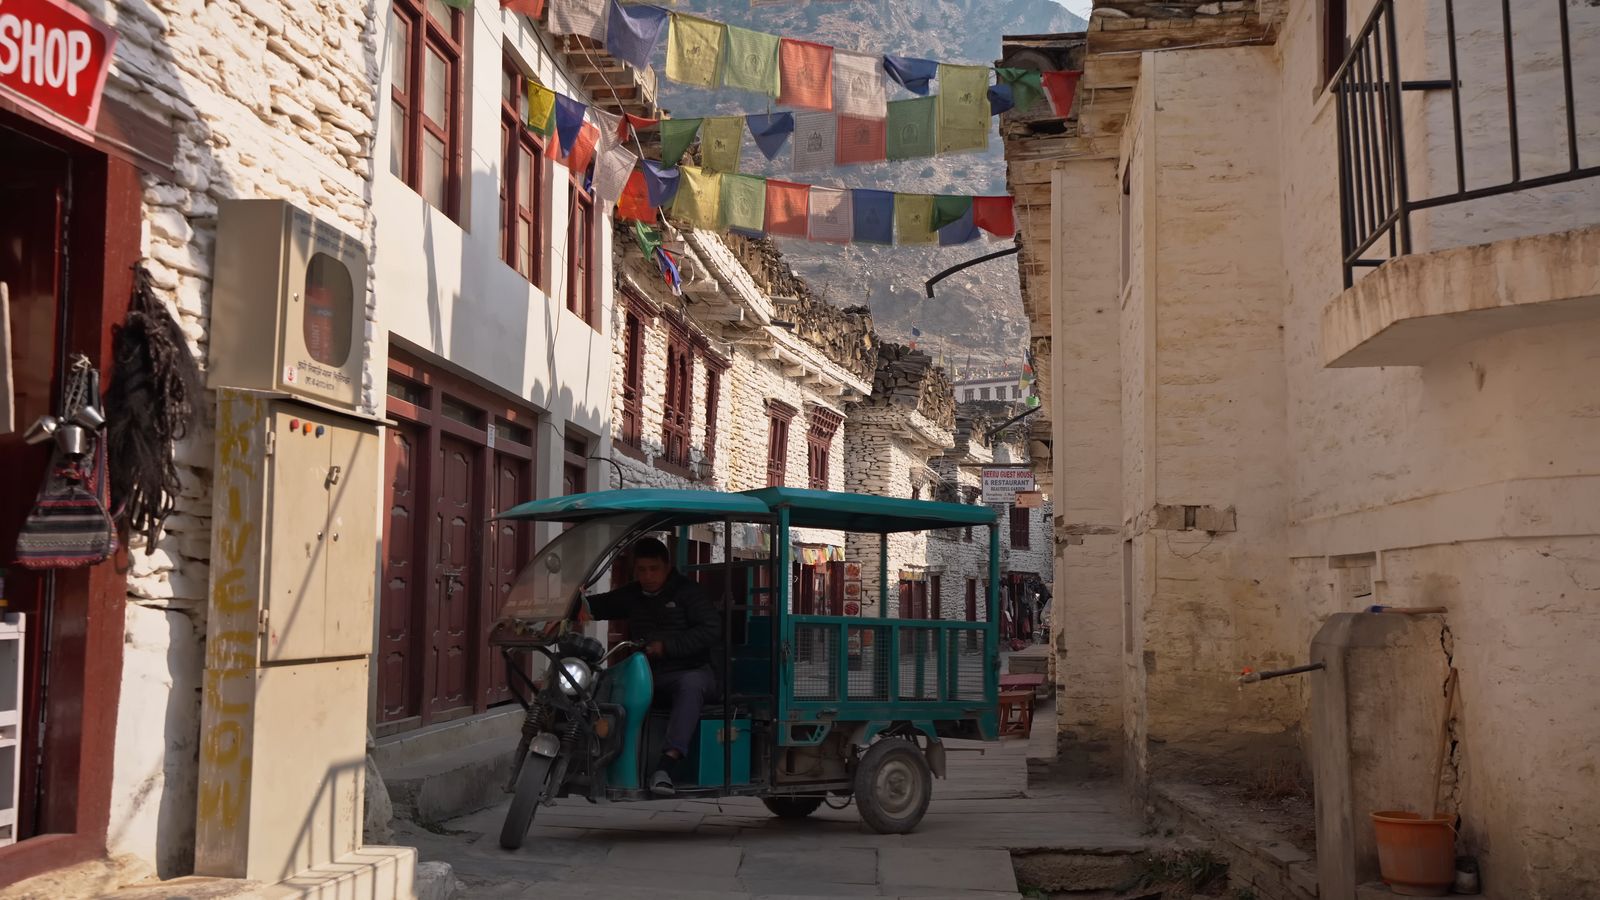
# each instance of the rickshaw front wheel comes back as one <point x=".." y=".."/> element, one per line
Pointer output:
<point x="893" y="785"/>
<point x="792" y="807"/>
<point x="525" y="802"/>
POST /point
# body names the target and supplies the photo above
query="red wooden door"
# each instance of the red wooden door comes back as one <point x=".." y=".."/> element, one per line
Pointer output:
<point x="456" y="516"/>
<point x="399" y="669"/>
<point x="508" y="553"/>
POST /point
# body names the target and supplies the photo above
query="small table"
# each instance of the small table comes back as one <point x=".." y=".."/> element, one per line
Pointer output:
<point x="1027" y="681"/>
<point x="1016" y="713"/>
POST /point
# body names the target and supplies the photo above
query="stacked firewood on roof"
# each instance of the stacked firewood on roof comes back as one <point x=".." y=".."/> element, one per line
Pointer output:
<point x="909" y="377"/>
<point x="844" y="334"/>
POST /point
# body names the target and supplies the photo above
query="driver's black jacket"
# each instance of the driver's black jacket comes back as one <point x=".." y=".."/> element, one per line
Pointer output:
<point x="680" y="616"/>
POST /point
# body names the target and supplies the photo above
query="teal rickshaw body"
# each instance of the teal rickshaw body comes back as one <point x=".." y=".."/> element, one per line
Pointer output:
<point x="794" y="680"/>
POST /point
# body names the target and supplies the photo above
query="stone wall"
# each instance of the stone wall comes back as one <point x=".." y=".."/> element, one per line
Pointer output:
<point x="265" y="100"/>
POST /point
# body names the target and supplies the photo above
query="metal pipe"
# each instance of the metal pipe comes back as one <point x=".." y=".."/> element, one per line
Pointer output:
<point x="1511" y="95"/>
<point x="727" y="640"/>
<point x="989" y="435"/>
<point x="1249" y="677"/>
<point x="928" y="286"/>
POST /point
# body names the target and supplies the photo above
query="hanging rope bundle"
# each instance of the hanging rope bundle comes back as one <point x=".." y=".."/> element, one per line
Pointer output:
<point x="154" y="394"/>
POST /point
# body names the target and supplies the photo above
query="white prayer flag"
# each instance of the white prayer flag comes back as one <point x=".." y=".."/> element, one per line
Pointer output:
<point x="585" y="17"/>
<point x="858" y="88"/>
<point x="832" y="217"/>
<point x="612" y="169"/>
<point x="815" y="134"/>
<point x="609" y="124"/>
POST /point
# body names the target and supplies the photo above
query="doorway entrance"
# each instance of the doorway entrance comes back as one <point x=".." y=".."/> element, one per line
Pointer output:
<point x="68" y="243"/>
<point x="459" y="454"/>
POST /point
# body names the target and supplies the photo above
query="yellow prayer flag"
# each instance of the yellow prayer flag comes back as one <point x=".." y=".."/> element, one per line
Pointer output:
<point x="913" y="219"/>
<point x="694" y="51"/>
<point x="964" y="118"/>
<point x="699" y="200"/>
<point x="541" y="108"/>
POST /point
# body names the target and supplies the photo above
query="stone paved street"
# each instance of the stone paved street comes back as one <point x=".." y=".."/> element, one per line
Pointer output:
<point x="735" y="849"/>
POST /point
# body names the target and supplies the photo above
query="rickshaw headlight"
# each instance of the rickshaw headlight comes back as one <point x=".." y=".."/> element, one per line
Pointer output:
<point x="577" y="676"/>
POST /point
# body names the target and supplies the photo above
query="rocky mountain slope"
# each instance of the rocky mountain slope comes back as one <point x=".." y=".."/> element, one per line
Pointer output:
<point x="976" y="314"/>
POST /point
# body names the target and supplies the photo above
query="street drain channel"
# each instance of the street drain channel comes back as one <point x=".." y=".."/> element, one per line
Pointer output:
<point x="1075" y="874"/>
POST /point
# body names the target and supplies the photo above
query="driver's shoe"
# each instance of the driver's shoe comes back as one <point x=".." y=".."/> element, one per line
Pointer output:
<point x="661" y="784"/>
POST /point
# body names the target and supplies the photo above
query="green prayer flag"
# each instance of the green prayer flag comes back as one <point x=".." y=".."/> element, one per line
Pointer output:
<point x="1027" y="86"/>
<point x="963" y="108"/>
<point x="752" y="61"/>
<point x="949" y="208"/>
<point x="721" y="138"/>
<point x="647" y="238"/>
<point x="694" y="50"/>
<point x="541" y="109"/>
<point x="912" y="127"/>
<point x="699" y="200"/>
<point x="744" y="202"/>
<point x="913" y="219"/>
<point x="676" y="136"/>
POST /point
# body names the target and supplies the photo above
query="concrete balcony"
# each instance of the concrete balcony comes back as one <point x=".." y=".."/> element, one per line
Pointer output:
<point x="1413" y="308"/>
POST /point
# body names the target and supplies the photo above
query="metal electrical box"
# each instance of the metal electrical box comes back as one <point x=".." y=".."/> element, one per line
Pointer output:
<point x="288" y="636"/>
<point x="288" y="309"/>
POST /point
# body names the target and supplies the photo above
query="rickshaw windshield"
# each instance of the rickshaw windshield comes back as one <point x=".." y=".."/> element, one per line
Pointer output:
<point x="548" y="587"/>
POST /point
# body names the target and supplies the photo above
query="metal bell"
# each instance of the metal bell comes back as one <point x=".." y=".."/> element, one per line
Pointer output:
<point x="42" y="429"/>
<point x="89" y="416"/>
<point x="72" y="440"/>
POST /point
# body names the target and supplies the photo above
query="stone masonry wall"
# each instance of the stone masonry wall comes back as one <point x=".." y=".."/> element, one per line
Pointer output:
<point x="265" y="99"/>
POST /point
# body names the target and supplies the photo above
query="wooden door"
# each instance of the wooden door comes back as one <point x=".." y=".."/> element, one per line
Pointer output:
<point x="399" y="613"/>
<point x="509" y="547"/>
<point x="456" y="515"/>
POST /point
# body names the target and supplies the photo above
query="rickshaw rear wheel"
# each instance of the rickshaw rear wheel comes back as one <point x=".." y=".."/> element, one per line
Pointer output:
<point x="792" y="807"/>
<point x="893" y="785"/>
<point x="525" y="801"/>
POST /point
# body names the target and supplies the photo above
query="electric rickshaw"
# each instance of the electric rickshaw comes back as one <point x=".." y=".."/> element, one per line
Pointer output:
<point x="813" y="707"/>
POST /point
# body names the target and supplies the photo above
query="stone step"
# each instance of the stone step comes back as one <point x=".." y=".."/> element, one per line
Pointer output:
<point x="453" y="782"/>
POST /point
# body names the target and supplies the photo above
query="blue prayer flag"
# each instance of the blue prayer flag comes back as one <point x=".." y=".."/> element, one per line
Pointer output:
<point x="569" y="121"/>
<point x="632" y="32"/>
<point x="771" y="131"/>
<point x="962" y="231"/>
<point x="874" y="216"/>
<point x="913" y="74"/>
<point x="1000" y="98"/>
<point x="660" y="182"/>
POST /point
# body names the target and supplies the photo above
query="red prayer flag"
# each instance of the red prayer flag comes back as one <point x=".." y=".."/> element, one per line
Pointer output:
<point x="582" y="150"/>
<point x="637" y="123"/>
<point x="805" y="74"/>
<point x="635" y="202"/>
<point x="996" y="215"/>
<point x="859" y="141"/>
<point x="1061" y="87"/>
<point x="533" y="9"/>
<point x="788" y="205"/>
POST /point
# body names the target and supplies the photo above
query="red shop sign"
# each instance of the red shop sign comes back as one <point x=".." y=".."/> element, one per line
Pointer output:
<point x="56" y="56"/>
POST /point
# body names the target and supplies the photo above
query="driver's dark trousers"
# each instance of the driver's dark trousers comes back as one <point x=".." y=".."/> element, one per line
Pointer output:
<point x="689" y="690"/>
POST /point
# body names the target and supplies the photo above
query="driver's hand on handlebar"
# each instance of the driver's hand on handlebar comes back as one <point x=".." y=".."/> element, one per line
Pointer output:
<point x="655" y="650"/>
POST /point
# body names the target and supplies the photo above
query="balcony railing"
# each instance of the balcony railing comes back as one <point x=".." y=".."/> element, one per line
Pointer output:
<point x="1376" y="197"/>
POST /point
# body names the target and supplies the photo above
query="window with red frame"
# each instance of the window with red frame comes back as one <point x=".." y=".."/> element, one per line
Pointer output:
<point x="676" y="414"/>
<point x="632" y="379"/>
<point x="713" y="401"/>
<point x="779" y="415"/>
<point x="1019" y="528"/>
<point x="425" y="56"/>
<point x="819" y="441"/>
<point x="580" y="256"/>
<point x="522" y="170"/>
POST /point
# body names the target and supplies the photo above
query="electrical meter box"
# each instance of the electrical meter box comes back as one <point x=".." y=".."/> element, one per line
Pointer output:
<point x="295" y="522"/>
<point x="288" y="307"/>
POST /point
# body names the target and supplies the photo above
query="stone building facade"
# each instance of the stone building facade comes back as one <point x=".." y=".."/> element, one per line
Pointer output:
<point x="1251" y="445"/>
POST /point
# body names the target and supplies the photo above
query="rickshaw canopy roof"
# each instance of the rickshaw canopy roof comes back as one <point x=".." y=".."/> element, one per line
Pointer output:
<point x="681" y="507"/>
<point x="867" y="512"/>
<point x="863" y="513"/>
